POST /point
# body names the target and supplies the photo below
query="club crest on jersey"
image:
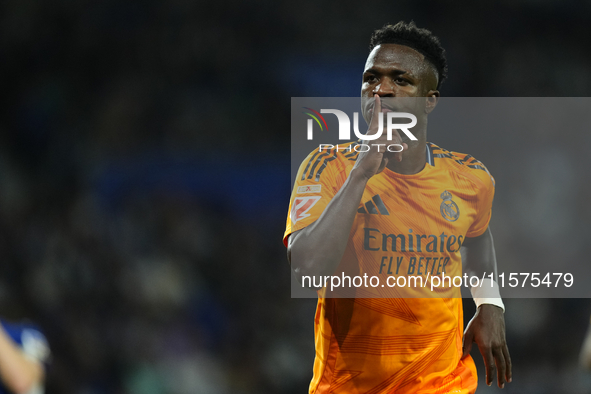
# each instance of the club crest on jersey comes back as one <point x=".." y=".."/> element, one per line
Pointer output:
<point x="301" y="206"/>
<point x="449" y="209"/>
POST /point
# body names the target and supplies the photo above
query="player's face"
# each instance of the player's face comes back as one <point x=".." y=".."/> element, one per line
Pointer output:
<point x="397" y="71"/>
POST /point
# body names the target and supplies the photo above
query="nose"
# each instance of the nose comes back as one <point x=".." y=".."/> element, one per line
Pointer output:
<point x="386" y="88"/>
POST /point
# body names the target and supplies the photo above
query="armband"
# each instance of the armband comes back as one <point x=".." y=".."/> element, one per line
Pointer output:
<point x="487" y="293"/>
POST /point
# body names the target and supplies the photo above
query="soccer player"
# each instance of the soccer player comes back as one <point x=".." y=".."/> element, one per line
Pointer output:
<point x="423" y="206"/>
<point x="23" y="352"/>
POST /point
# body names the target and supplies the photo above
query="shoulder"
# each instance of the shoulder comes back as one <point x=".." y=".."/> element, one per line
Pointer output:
<point x="463" y="165"/>
<point x="338" y="158"/>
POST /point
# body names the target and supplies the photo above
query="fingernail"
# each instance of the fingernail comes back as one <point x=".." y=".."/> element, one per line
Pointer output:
<point x="503" y="386"/>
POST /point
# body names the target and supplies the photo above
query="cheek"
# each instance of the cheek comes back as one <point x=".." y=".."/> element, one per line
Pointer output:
<point x="414" y="90"/>
<point x="366" y="89"/>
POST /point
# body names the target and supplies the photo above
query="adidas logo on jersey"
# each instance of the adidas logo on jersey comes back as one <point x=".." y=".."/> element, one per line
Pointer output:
<point x="374" y="207"/>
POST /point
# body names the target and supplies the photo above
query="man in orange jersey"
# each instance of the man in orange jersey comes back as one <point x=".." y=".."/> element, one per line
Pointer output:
<point x="421" y="207"/>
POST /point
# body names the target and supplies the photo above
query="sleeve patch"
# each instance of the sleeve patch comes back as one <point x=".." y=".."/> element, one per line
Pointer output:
<point x="301" y="206"/>
<point x="309" y="189"/>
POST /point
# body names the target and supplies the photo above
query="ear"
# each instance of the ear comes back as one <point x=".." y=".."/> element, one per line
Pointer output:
<point x="431" y="101"/>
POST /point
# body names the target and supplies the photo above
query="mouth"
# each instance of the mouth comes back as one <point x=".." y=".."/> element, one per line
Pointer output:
<point x="384" y="109"/>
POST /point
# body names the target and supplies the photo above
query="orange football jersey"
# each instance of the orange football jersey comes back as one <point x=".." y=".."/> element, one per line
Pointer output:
<point x="406" y="225"/>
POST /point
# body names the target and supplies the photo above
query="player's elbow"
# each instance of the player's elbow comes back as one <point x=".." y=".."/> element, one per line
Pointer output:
<point x="307" y="261"/>
<point x="304" y="263"/>
<point x="304" y="268"/>
<point x="305" y="278"/>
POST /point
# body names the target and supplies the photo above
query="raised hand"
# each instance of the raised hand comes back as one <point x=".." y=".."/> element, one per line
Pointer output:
<point x="374" y="160"/>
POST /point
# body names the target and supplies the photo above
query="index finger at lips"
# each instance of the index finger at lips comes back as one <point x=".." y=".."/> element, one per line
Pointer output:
<point x="377" y="109"/>
<point x="402" y="148"/>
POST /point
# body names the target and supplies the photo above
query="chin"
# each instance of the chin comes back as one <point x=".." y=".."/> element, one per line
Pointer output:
<point x="410" y="143"/>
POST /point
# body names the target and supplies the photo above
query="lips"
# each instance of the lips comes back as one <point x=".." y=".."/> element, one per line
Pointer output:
<point x="385" y="109"/>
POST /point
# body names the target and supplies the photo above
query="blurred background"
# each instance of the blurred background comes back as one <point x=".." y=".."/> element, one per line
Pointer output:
<point x="144" y="180"/>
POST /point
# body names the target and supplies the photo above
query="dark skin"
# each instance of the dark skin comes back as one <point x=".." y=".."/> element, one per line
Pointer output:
<point x="392" y="72"/>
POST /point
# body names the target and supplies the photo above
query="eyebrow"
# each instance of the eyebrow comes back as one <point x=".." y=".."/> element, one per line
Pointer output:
<point x="395" y="72"/>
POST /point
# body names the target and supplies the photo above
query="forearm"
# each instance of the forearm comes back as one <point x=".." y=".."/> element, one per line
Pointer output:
<point x="318" y="248"/>
<point x="478" y="255"/>
<point x="17" y="372"/>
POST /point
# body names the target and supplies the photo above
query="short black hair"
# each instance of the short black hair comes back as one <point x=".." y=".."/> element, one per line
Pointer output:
<point x="421" y="40"/>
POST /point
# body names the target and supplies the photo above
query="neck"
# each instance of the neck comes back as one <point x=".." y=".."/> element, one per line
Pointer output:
<point x="413" y="159"/>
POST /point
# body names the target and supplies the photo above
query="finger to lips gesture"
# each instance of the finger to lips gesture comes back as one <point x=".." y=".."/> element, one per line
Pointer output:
<point x="374" y="160"/>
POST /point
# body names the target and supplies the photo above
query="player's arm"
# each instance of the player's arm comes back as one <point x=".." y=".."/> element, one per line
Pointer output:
<point x="487" y="327"/>
<point x="18" y="373"/>
<point x="318" y="248"/>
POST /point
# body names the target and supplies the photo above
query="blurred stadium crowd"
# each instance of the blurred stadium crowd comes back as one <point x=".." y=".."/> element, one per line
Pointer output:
<point x="144" y="180"/>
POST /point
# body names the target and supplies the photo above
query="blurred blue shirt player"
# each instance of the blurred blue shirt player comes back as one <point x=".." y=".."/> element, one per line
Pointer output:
<point x="24" y="353"/>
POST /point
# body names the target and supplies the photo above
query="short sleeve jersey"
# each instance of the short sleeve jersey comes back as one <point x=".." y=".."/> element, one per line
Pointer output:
<point x="406" y="225"/>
